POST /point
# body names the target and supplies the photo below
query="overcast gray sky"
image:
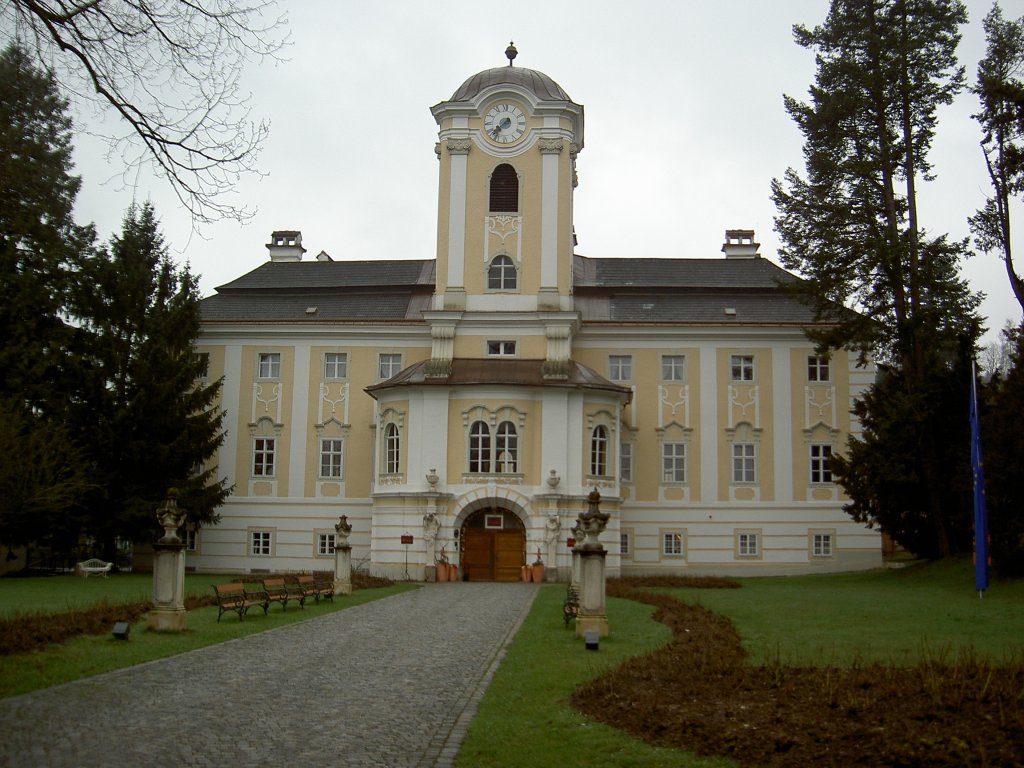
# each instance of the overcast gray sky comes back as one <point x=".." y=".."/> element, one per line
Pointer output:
<point x="685" y="129"/>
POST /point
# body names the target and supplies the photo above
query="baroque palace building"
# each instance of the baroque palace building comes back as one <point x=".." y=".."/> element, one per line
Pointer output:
<point x="467" y="405"/>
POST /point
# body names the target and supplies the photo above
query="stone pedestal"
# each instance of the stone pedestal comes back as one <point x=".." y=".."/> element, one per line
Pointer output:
<point x="168" y="614"/>
<point x="592" y="614"/>
<point x="343" y="570"/>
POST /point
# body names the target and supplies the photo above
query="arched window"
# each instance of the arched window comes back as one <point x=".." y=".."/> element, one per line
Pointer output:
<point x="599" y="451"/>
<point x="507" y="448"/>
<point x="501" y="275"/>
<point x="479" y="447"/>
<point x="504" y="190"/>
<point x="392" y="446"/>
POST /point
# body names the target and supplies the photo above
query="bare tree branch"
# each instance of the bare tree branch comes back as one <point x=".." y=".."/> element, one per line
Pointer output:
<point x="171" y="70"/>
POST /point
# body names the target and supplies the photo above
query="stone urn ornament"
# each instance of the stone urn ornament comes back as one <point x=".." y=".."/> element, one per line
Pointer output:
<point x="593" y="521"/>
<point x="343" y="529"/>
<point x="170" y="518"/>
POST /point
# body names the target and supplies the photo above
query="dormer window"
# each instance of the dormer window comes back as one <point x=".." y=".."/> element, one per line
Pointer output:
<point x="504" y="190"/>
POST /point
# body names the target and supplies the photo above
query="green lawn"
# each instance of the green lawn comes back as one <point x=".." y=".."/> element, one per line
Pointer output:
<point x="890" y="616"/>
<point x="92" y="654"/>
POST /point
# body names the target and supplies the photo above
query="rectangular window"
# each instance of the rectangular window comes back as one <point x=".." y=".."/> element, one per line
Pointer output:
<point x="260" y="543"/>
<point x="626" y="462"/>
<point x="263" y="457"/>
<point x="817" y="368"/>
<point x="270" y="365"/>
<point x="620" y="367"/>
<point x="672" y="367"/>
<point x="822" y="543"/>
<point x="672" y="543"/>
<point x="325" y="544"/>
<point x="331" y="455"/>
<point x="624" y="548"/>
<point x="742" y="367"/>
<point x="335" y="365"/>
<point x="820" y="454"/>
<point x="673" y="462"/>
<point x="743" y="463"/>
<point x="191" y="540"/>
<point x="748" y="544"/>
<point x="501" y="348"/>
<point x="390" y="364"/>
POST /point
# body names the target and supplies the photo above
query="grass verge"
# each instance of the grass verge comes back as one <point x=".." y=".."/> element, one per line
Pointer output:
<point x="525" y="720"/>
<point x="92" y="654"/>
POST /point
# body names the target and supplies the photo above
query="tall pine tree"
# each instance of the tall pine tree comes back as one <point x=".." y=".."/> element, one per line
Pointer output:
<point x="852" y="225"/>
<point x="152" y="421"/>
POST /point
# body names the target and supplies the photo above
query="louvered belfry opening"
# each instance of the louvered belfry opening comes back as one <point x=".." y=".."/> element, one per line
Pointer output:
<point x="504" y="190"/>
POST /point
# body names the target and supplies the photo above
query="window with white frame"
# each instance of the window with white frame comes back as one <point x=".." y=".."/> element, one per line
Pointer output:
<point x="817" y="368"/>
<point x="822" y="543"/>
<point x="390" y="364"/>
<point x="332" y="456"/>
<point x="673" y="543"/>
<point x="392" y="449"/>
<point x="263" y="453"/>
<point x="744" y="463"/>
<point x="672" y="367"/>
<point x="624" y="544"/>
<point x="269" y="365"/>
<point x="620" y="367"/>
<point x="325" y="544"/>
<point x="191" y="540"/>
<point x="673" y="462"/>
<point x="741" y="367"/>
<point x="335" y="365"/>
<point x="479" y="447"/>
<point x="626" y="462"/>
<point x="748" y="544"/>
<point x="820" y="455"/>
<point x="203" y="364"/>
<point x="261" y="543"/>
<point x="599" y="451"/>
<point x="506" y="448"/>
<point x="501" y="274"/>
<point x="501" y="348"/>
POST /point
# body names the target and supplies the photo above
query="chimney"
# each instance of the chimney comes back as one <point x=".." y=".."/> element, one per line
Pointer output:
<point x="286" y="245"/>
<point x="739" y="244"/>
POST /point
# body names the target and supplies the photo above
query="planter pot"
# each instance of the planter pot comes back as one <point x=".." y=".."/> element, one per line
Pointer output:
<point x="442" y="571"/>
<point x="526" y="573"/>
<point x="453" y="572"/>
<point x="538" y="573"/>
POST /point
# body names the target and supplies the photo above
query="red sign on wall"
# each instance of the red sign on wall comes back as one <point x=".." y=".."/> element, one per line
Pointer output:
<point x="407" y="538"/>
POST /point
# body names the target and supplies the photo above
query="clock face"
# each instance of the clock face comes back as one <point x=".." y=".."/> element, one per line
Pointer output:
<point x="504" y="123"/>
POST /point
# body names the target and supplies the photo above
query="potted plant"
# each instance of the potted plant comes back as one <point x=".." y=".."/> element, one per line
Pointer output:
<point x="538" y="569"/>
<point x="441" y="566"/>
<point x="526" y="572"/>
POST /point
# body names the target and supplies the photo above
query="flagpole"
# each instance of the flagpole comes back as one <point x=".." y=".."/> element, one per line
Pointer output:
<point x="980" y="511"/>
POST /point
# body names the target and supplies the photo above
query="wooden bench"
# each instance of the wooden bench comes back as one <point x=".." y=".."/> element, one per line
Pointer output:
<point x="571" y="604"/>
<point x="94" y="565"/>
<point x="307" y="585"/>
<point x="278" y="592"/>
<point x="235" y="597"/>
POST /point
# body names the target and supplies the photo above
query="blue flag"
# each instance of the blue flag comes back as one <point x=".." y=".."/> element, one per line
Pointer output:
<point x="980" y="512"/>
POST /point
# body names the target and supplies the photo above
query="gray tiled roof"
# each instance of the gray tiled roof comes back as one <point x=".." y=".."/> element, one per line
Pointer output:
<point x="606" y="290"/>
<point x="535" y="81"/>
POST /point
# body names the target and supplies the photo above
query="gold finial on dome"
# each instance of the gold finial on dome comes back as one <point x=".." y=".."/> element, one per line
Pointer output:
<point x="511" y="52"/>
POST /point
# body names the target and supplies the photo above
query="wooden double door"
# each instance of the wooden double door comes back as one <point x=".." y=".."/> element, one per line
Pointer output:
<point x="493" y="555"/>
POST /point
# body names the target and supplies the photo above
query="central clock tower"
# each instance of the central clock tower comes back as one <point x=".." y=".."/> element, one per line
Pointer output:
<point x="507" y="148"/>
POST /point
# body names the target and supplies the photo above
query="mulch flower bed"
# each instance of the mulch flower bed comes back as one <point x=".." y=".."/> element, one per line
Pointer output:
<point x="699" y="694"/>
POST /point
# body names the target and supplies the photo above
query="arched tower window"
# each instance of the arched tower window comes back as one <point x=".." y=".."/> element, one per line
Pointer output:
<point x="479" y="447"/>
<point x="507" y="448"/>
<point x="504" y="190"/>
<point x="599" y="451"/>
<point x="501" y="274"/>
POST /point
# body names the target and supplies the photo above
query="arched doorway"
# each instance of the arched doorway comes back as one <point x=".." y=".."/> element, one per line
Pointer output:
<point x="493" y="543"/>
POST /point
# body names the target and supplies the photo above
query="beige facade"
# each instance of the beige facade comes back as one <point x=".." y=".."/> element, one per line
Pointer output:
<point x="491" y="389"/>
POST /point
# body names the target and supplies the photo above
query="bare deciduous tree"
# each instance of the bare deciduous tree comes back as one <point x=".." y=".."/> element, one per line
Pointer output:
<point x="170" y="70"/>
